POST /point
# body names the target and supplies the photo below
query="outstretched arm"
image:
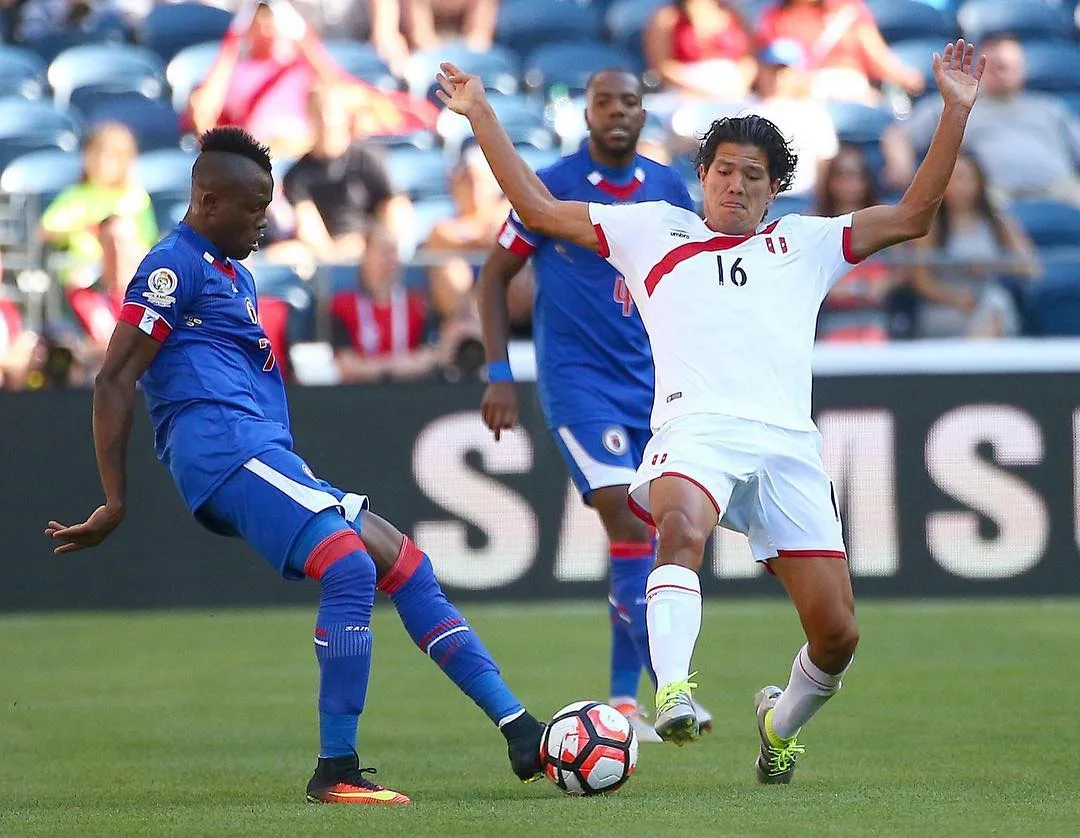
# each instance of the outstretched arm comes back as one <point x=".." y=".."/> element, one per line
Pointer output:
<point x="875" y="228"/>
<point x="535" y="205"/>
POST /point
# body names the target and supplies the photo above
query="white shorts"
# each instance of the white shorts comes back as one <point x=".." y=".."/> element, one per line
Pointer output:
<point x="766" y="482"/>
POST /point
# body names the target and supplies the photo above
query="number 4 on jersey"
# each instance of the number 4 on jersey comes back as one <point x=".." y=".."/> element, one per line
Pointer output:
<point x="736" y="276"/>
<point x="622" y="296"/>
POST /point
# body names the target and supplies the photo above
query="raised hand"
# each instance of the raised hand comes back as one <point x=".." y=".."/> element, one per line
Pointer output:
<point x="461" y="91"/>
<point x="958" y="74"/>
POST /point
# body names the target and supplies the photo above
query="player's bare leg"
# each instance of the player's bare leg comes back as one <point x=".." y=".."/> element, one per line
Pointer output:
<point x="404" y="573"/>
<point x="685" y="517"/>
<point x="820" y="588"/>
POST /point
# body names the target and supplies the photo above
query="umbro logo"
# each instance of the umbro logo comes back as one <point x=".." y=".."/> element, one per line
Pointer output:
<point x="679" y="234"/>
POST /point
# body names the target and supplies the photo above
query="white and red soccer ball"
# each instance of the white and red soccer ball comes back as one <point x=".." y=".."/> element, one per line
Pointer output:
<point x="588" y="748"/>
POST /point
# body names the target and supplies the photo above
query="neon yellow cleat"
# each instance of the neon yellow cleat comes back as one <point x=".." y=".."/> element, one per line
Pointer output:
<point x="676" y="718"/>
<point x="776" y="762"/>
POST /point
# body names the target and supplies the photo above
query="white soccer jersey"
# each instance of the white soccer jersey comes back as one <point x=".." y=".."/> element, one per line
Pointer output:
<point x="731" y="319"/>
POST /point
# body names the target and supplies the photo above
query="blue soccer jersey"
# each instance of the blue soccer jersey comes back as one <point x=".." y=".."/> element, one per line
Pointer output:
<point x="592" y="353"/>
<point x="214" y="389"/>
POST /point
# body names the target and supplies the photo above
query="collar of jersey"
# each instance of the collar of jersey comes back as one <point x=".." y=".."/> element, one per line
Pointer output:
<point x="616" y="176"/>
<point x="202" y="243"/>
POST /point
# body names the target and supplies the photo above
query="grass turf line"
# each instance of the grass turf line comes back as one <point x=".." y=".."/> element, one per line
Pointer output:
<point x="955" y="720"/>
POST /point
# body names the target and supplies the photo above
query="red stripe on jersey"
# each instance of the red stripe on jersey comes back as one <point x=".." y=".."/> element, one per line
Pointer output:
<point x="619" y="193"/>
<point x="603" y="250"/>
<point x="692" y="249"/>
<point x="146" y="320"/>
<point x="511" y="240"/>
<point x="849" y="257"/>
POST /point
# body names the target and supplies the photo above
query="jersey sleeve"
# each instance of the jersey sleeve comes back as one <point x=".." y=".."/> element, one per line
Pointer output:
<point x="828" y="242"/>
<point x="625" y="235"/>
<point x="514" y="237"/>
<point x="159" y="294"/>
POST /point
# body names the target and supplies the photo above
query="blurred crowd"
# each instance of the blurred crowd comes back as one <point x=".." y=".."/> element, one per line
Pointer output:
<point x="384" y="210"/>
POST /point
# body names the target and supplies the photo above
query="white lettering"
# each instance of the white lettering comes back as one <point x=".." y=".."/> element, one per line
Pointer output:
<point x="953" y="461"/>
<point x="582" y="554"/>
<point x="506" y="518"/>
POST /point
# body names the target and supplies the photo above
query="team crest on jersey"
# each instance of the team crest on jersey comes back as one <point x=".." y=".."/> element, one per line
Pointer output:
<point x="162" y="284"/>
<point x="615" y="441"/>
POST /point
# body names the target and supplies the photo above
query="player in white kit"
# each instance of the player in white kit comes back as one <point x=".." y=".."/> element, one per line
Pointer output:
<point x="730" y="304"/>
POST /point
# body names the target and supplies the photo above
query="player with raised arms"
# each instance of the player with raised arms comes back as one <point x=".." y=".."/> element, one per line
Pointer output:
<point x="593" y="358"/>
<point x="189" y="333"/>
<point x="730" y="304"/>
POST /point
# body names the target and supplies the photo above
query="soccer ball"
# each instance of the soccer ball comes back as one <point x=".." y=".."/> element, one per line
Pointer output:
<point x="588" y="748"/>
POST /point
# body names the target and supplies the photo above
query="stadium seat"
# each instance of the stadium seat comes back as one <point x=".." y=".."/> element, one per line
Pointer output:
<point x="857" y="123"/>
<point x="27" y="126"/>
<point x="417" y="173"/>
<point x="286" y="306"/>
<point x="568" y="65"/>
<point x="45" y="173"/>
<point x="423" y="139"/>
<point x="521" y="117"/>
<point x="539" y="158"/>
<point x="153" y="122"/>
<point x="165" y="173"/>
<point x="1052" y="67"/>
<point x="22" y="73"/>
<point x="361" y="61"/>
<point x="108" y="68"/>
<point x="171" y="27"/>
<point x="791" y="204"/>
<point x="625" y="21"/>
<point x="497" y="67"/>
<point x="1049" y="224"/>
<point x="917" y="53"/>
<point x="900" y="20"/>
<point x="187" y="70"/>
<point x="100" y="28"/>
<point x="524" y="25"/>
<point x="1026" y="19"/>
<point x="332" y="279"/>
<point x="1052" y="304"/>
<point x="427" y="213"/>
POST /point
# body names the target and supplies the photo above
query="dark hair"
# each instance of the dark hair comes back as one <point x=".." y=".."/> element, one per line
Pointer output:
<point x="756" y="131"/>
<point x="825" y="200"/>
<point x="983" y="207"/>
<point x="622" y="71"/>
<point x="232" y="140"/>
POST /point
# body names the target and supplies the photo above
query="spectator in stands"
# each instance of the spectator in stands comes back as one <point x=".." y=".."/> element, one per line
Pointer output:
<point x="107" y="188"/>
<point x="16" y="347"/>
<point x="480" y="212"/>
<point x="1029" y="142"/>
<point x="844" y="48"/>
<point x="33" y="20"/>
<point x="379" y="331"/>
<point x="270" y="60"/>
<point x="964" y="298"/>
<point x="856" y="309"/>
<point x="341" y="186"/>
<point x="701" y="48"/>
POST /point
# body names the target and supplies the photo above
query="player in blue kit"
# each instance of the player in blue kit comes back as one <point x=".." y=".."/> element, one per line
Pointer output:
<point x="595" y="366"/>
<point x="189" y="333"/>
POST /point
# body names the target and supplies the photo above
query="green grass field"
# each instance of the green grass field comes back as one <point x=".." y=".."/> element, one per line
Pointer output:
<point x="957" y="719"/>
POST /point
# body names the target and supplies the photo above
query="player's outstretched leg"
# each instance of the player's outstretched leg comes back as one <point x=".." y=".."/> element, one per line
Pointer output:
<point x="444" y="635"/>
<point x="820" y="588"/>
<point x="328" y="550"/>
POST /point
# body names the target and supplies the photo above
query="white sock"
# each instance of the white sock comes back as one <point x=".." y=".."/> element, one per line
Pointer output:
<point x="808" y="689"/>
<point x="673" y="616"/>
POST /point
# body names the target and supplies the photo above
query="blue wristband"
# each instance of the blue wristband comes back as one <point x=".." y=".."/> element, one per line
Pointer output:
<point x="499" y="371"/>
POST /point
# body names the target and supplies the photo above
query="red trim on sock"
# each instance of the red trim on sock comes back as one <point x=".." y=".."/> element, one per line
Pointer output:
<point x="329" y="550"/>
<point x="408" y="559"/>
<point x="811" y="554"/>
<point x="811" y="677"/>
<point x="666" y="587"/>
<point x="631" y="549"/>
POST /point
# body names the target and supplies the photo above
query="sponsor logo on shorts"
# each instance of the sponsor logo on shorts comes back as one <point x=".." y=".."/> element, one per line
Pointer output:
<point x="615" y="441"/>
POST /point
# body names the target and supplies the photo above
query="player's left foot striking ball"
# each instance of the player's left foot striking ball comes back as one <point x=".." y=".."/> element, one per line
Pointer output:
<point x="342" y="780"/>
<point x="776" y="762"/>
<point x="676" y="720"/>
<point x="523" y="737"/>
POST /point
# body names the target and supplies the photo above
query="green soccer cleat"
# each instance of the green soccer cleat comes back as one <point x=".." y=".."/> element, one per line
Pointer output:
<point x="676" y="719"/>
<point x="776" y="762"/>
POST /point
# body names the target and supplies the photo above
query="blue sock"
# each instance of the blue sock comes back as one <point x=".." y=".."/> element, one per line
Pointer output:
<point x="625" y="662"/>
<point x="328" y="550"/>
<point x="443" y="634"/>
<point x="631" y="564"/>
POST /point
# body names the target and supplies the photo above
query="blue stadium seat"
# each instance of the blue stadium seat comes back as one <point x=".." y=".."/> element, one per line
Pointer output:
<point x="570" y="64"/>
<point x="422" y="139"/>
<point x="1049" y="224"/>
<point x="99" y="28"/>
<point x="1052" y="67"/>
<point x="901" y="20"/>
<point x="539" y="158"/>
<point x="526" y="24"/>
<point x="45" y="173"/>
<point x="1052" y="304"/>
<point x="153" y="122"/>
<point x="187" y="70"/>
<point x="497" y="67"/>
<point x="429" y="212"/>
<point x="27" y="126"/>
<point x="361" y="61"/>
<point x="857" y="123"/>
<point x="791" y="204"/>
<point x="171" y="27"/>
<point x="280" y="282"/>
<point x="22" y="73"/>
<point x="521" y="117"/>
<point x="109" y="68"/>
<point x="625" y="21"/>
<point x="332" y="279"/>
<point x="1026" y="19"/>
<point x="165" y="173"/>
<point x="918" y="53"/>
<point x="417" y="173"/>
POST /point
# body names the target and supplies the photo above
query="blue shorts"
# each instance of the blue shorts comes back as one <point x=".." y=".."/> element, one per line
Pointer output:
<point x="601" y="454"/>
<point x="269" y="500"/>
